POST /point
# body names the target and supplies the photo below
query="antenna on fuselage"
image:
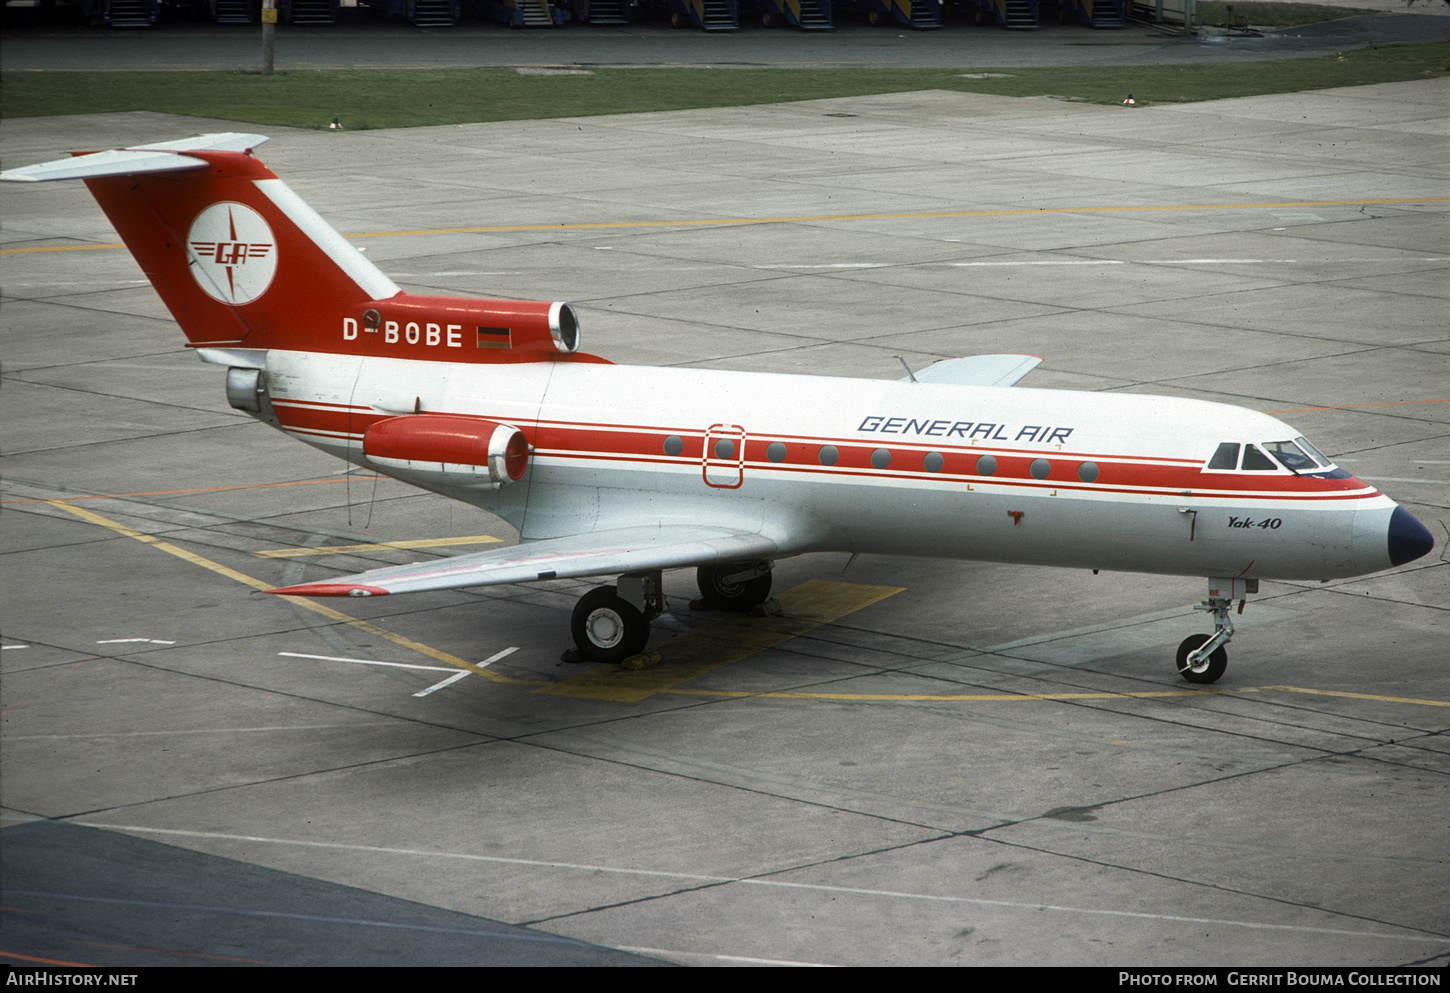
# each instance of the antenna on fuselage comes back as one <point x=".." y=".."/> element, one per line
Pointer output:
<point x="909" y="374"/>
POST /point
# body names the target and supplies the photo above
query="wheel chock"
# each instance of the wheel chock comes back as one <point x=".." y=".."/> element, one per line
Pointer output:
<point x="641" y="661"/>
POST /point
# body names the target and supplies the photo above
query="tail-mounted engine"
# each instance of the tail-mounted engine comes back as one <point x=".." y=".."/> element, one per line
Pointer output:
<point x="460" y="329"/>
<point x="244" y="389"/>
<point x="449" y="448"/>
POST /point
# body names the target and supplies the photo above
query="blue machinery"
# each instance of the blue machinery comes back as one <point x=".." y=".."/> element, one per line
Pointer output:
<point x="808" y="15"/>
<point x="922" y="14"/>
<point x="708" y="15"/>
<point x="1013" y="14"/>
<point x="1095" y="13"/>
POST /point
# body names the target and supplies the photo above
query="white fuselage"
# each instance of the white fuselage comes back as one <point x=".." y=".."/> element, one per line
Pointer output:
<point x="1118" y="482"/>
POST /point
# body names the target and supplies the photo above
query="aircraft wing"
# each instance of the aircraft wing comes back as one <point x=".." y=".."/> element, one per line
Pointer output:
<point x="978" y="370"/>
<point x="598" y="553"/>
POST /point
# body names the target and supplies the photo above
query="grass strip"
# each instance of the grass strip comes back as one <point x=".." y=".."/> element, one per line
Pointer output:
<point x="377" y="98"/>
<point x="1262" y="14"/>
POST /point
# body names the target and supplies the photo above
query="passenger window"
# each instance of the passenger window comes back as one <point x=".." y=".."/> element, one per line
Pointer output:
<point x="1227" y="456"/>
<point x="1256" y="461"/>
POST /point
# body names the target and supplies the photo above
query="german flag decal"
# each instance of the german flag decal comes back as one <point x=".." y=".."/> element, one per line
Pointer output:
<point x="495" y="338"/>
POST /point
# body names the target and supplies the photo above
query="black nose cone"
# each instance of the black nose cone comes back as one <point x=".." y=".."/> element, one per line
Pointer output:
<point x="1408" y="538"/>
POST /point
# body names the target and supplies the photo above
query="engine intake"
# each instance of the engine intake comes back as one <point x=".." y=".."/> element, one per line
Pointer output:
<point x="478" y="449"/>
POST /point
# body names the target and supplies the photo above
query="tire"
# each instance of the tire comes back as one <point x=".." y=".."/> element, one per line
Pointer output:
<point x="676" y="21"/>
<point x="720" y="594"/>
<point x="874" y="18"/>
<point x="1217" y="662"/>
<point x="767" y="20"/>
<point x="606" y="628"/>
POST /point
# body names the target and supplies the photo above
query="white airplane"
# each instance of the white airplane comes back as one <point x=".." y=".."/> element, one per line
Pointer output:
<point x="624" y="471"/>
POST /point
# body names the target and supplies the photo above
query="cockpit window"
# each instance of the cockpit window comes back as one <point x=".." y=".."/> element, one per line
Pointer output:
<point x="1256" y="461"/>
<point x="1298" y="456"/>
<point x="1291" y="455"/>
<point x="1314" y="453"/>
<point x="1227" y="456"/>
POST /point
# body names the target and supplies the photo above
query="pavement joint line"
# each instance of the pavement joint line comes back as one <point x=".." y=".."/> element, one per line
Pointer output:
<point x="181" y="731"/>
<point x="204" y="489"/>
<point x="194" y="908"/>
<point x="722" y="221"/>
<point x="1356" y="406"/>
<point x="757" y="881"/>
<point x="304" y="602"/>
<point x="1048" y="697"/>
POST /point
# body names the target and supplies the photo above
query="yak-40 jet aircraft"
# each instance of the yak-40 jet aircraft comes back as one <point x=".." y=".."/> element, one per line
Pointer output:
<point x="622" y="471"/>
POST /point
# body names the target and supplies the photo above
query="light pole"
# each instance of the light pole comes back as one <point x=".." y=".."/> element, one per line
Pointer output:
<point x="269" y="34"/>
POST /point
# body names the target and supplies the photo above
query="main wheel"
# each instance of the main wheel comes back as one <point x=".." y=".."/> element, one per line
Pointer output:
<point x="676" y="21"/>
<point x="606" y="628"/>
<point x="875" y="18"/>
<point x="767" y="20"/>
<point x="1207" y="671"/>
<point x="719" y="593"/>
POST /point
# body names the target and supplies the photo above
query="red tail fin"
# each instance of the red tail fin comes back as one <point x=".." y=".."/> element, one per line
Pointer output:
<point x="242" y="262"/>
<point x="237" y="257"/>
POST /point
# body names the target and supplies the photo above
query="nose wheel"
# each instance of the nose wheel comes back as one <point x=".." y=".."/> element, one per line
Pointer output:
<point x="1204" y="668"/>
<point x="1201" y="657"/>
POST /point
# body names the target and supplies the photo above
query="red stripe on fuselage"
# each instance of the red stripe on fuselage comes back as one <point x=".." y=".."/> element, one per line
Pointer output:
<point x="333" y="419"/>
<point x="645" y="444"/>
<point x="998" y="479"/>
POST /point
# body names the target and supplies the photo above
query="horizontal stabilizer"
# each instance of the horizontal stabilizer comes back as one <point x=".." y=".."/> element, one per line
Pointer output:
<point x="161" y="156"/>
<point x="600" y="553"/>
<point x="978" y="370"/>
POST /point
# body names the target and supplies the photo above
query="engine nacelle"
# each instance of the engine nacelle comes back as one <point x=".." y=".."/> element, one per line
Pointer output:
<point x="449" y="448"/>
<point x="409" y="326"/>
<point x="244" y="389"/>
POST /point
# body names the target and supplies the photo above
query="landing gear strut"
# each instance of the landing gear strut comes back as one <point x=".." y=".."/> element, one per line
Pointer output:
<point x="1201" y="657"/>
<point x="611" y="623"/>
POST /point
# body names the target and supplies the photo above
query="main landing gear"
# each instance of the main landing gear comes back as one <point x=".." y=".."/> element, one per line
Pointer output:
<point x="611" y="623"/>
<point x="1201" y="657"/>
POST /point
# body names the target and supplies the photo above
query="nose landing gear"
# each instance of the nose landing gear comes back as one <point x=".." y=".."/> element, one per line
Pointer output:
<point x="1201" y="657"/>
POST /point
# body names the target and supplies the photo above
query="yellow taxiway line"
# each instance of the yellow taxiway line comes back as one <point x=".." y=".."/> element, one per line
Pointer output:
<point x="304" y="602"/>
<point x="811" y="219"/>
<point x="722" y="641"/>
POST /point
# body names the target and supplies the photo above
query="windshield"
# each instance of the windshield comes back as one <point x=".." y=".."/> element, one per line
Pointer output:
<point x="1291" y="456"/>
<point x="1314" y="453"/>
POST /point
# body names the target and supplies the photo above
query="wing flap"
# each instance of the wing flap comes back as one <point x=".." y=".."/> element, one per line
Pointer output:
<point x="979" y="370"/>
<point x="600" y="553"/>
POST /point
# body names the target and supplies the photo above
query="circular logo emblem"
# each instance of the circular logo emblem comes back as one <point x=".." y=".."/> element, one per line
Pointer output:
<point x="233" y="253"/>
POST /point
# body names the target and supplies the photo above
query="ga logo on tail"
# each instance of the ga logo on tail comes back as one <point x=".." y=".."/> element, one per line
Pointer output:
<point x="232" y="252"/>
